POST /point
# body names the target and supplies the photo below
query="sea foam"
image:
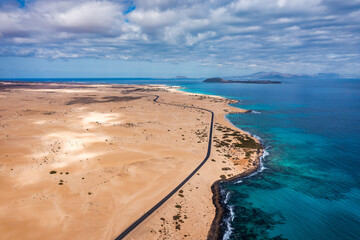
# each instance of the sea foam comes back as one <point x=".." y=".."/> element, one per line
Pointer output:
<point x="228" y="222"/>
<point x="255" y="112"/>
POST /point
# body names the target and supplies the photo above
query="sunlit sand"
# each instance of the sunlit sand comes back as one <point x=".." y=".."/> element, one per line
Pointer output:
<point x="85" y="164"/>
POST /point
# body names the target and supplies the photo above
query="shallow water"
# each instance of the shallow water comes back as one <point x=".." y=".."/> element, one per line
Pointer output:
<point x="310" y="188"/>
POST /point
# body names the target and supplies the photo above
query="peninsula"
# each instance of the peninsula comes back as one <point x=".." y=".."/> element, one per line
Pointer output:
<point x="89" y="160"/>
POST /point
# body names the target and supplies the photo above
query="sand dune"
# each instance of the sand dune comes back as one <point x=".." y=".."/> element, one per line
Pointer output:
<point x="85" y="161"/>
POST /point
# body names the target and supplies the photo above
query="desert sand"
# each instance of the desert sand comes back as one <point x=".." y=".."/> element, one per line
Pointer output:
<point x="85" y="161"/>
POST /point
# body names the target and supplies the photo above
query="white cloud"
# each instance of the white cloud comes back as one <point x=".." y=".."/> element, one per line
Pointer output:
<point x="154" y="18"/>
<point x="279" y="6"/>
<point x="292" y="28"/>
<point x="10" y="23"/>
<point x="212" y="32"/>
<point x="89" y="17"/>
<point x="191" y="40"/>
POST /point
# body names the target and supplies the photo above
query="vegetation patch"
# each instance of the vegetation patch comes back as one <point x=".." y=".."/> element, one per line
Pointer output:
<point x="226" y="169"/>
<point x="48" y="113"/>
<point x="89" y="100"/>
<point x="248" y="153"/>
<point x="246" y="142"/>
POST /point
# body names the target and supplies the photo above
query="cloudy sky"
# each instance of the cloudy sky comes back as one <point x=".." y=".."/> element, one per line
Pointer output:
<point x="165" y="38"/>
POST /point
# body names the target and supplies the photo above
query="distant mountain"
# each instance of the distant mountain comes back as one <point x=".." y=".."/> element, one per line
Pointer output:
<point x="220" y="80"/>
<point x="279" y="76"/>
<point x="327" y="75"/>
<point x="270" y="75"/>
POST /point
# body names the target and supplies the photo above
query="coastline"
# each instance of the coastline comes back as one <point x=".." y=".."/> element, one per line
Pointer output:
<point x="217" y="230"/>
<point x="195" y="216"/>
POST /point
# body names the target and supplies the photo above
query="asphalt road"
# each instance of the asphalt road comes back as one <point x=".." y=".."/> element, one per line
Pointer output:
<point x="154" y="208"/>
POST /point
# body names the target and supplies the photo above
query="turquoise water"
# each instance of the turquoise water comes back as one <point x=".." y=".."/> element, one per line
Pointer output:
<point x="310" y="188"/>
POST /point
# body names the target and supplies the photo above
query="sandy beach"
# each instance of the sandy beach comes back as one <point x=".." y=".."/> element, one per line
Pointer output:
<point x="84" y="161"/>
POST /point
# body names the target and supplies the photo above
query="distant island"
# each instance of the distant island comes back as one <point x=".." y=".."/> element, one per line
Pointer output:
<point x="271" y="77"/>
<point x="286" y="76"/>
<point x="220" y="80"/>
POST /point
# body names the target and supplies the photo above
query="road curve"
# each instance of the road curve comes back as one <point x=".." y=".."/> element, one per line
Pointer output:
<point x="154" y="208"/>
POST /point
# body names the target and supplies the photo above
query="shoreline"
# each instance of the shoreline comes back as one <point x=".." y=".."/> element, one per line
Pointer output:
<point x="217" y="230"/>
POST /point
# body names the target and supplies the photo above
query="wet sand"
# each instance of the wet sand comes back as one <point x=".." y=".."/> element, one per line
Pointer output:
<point x="85" y="161"/>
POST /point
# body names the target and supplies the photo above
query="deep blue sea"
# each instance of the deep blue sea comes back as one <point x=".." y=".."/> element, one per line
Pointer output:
<point x="310" y="187"/>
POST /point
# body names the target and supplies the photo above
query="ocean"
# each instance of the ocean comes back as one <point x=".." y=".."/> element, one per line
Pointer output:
<point x="309" y="187"/>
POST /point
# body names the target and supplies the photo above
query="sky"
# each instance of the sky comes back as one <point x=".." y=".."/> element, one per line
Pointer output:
<point x="166" y="38"/>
